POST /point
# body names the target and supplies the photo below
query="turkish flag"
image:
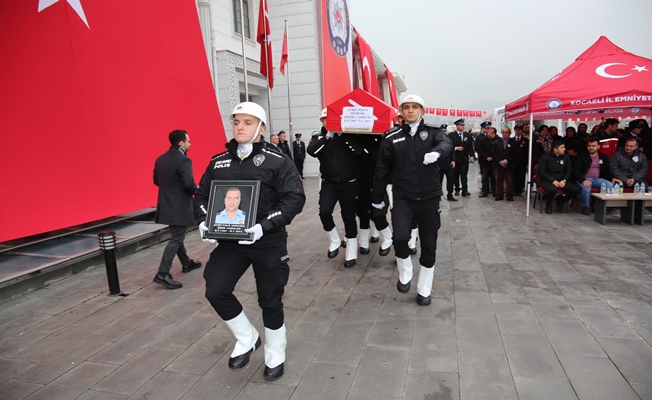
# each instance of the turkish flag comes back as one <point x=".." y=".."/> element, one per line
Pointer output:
<point x="444" y="112"/>
<point x="472" y="113"/>
<point x="458" y="112"/>
<point x="393" y="97"/>
<point x="369" y="78"/>
<point x="478" y="113"/>
<point x="438" y="111"/>
<point x="284" y="52"/>
<point x="92" y="90"/>
<point x="452" y="112"/>
<point x="465" y="113"/>
<point x="263" y="38"/>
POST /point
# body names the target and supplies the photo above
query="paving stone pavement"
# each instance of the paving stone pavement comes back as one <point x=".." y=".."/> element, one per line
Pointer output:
<point x="548" y="307"/>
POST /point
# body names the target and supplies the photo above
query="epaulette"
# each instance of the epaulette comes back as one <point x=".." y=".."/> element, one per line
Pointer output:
<point x="219" y="154"/>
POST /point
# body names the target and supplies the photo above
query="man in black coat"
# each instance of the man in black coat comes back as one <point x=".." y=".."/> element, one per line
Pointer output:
<point x="520" y="161"/>
<point x="555" y="173"/>
<point x="484" y="148"/>
<point x="173" y="176"/>
<point x="283" y="144"/>
<point x="503" y="155"/>
<point x="299" y="151"/>
<point x="463" y="154"/>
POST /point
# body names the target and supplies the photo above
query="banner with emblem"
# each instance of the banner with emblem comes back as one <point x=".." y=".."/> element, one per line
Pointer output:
<point x="336" y="49"/>
<point x="232" y="207"/>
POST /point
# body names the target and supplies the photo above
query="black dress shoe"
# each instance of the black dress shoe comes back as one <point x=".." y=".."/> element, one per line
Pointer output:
<point x="343" y="244"/>
<point x="192" y="265"/>
<point x="450" y="198"/>
<point x="364" y="250"/>
<point x="272" y="374"/>
<point x="423" y="301"/>
<point x="457" y="193"/>
<point x="586" y="211"/>
<point x="167" y="281"/>
<point x="466" y="194"/>
<point x="334" y="253"/>
<point x="375" y="239"/>
<point x="560" y="208"/>
<point x="498" y="199"/>
<point x="240" y="361"/>
<point x="413" y="250"/>
<point x="510" y="199"/>
<point x="518" y="194"/>
<point x="548" y="209"/>
<point x="484" y="195"/>
<point x="349" y="263"/>
<point x="403" y="288"/>
<point x="384" y="252"/>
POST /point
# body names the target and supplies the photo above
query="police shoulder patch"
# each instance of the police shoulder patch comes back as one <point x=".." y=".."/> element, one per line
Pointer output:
<point x="259" y="159"/>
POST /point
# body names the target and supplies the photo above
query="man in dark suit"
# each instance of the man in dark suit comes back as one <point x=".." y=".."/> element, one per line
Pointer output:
<point x="520" y="161"/>
<point x="504" y="157"/>
<point x="463" y="154"/>
<point x="299" y="151"/>
<point x="173" y="176"/>
<point x="283" y="144"/>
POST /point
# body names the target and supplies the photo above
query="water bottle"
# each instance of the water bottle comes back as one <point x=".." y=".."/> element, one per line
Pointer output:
<point x="616" y="189"/>
<point x="637" y="189"/>
<point x="603" y="189"/>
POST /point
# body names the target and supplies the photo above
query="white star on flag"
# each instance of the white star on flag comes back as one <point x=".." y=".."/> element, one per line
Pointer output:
<point x="640" y="69"/>
<point x="75" y="4"/>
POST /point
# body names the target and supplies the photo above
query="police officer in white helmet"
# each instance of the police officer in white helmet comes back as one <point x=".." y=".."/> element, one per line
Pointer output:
<point x="281" y="198"/>
<point x="409" y="157"/>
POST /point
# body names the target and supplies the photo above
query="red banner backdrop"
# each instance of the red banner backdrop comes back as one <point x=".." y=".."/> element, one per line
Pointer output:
<point x="337" y="49"/>
<point x="445" y="112"/>
<point x="91" y="93"/>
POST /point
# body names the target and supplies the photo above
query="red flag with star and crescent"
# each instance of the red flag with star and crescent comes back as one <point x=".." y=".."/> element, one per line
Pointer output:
<point x="263" y="38"/>
<point x="92" y="88"/>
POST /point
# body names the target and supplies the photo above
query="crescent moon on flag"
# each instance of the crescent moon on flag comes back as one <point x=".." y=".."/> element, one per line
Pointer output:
<point x="602" y="71"/>
<point x="365" y="61"/>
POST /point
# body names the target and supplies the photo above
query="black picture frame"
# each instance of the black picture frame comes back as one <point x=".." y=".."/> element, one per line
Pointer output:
<point x="223" y="226"/>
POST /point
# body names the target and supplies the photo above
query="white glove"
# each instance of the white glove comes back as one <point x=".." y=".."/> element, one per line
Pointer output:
<point x="379" y="206"/>
<point x="257" y="230"/>
<point x="202" y="231"/>
<point x="329" y="134"/>
<point x="430" y="158"/>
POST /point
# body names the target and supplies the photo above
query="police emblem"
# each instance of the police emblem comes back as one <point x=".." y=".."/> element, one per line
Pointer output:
<point x="423" y="135"/>
<point x="337" y="13"/>
<point x="258" y="159"/>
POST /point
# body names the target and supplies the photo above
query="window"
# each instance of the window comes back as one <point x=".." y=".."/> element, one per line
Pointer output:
<point x="236" y="17"/>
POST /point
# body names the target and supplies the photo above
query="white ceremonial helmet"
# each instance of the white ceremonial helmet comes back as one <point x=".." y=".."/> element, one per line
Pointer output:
<point x="412" y="98"/>
<point x="323" y="113"/>
<point x="250" y="108"/>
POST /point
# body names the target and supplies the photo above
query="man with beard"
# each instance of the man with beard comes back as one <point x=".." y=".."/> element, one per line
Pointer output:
<point x="555" y="173"/>
<point x="591" y="170"/>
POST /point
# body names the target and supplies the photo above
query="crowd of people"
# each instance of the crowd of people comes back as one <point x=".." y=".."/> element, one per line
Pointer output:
<point x="401" y="171"/>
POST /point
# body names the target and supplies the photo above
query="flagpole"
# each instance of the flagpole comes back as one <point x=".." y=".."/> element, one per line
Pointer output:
<point x="244" y="56"/>
<point x="287" y="66"/>
<point x="269" y="90"/>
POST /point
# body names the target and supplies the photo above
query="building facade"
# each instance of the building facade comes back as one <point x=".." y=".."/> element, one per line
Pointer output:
<point x="222" y="28"/>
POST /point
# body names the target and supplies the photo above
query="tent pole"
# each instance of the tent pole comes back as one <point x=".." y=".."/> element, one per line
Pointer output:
<point x="529" y="168"/>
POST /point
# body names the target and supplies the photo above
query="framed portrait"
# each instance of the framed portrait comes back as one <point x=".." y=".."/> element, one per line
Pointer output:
<point x="232" y="207"/>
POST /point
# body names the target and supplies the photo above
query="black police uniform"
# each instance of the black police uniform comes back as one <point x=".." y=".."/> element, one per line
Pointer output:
<point x="461" y="158"/>
<point x="520" y="163"/>
<point x="446" y="170"/>
<point x="416" y="188"/>
<point x="299" y="153"/>
<point x="338" y="168"/>
<point x="366" y="164"/>
<point x="484" y="148"/>
<point x="281" y="198"/>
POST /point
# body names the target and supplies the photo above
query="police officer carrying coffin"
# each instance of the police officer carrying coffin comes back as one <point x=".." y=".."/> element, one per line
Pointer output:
<point x="281" y="198"/>
<point x="337" y="154"/>
<point x="409" y="158"/>
<point x="463" y="154"/>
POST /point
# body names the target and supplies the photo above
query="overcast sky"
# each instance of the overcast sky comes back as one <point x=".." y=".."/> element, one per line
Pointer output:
<point x="458" y="53"/>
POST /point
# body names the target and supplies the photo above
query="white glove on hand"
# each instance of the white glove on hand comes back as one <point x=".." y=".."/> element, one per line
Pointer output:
<point x="379" y="206"/>
<point x="257" y="230"/>
<point x="202" y="230"/>
<point x="430" y="158"/>
<point x="329" y="134"/>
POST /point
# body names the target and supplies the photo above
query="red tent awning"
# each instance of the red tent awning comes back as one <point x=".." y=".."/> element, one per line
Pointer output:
<point x="360" y="112"/>
<point x="604" y="81"/>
